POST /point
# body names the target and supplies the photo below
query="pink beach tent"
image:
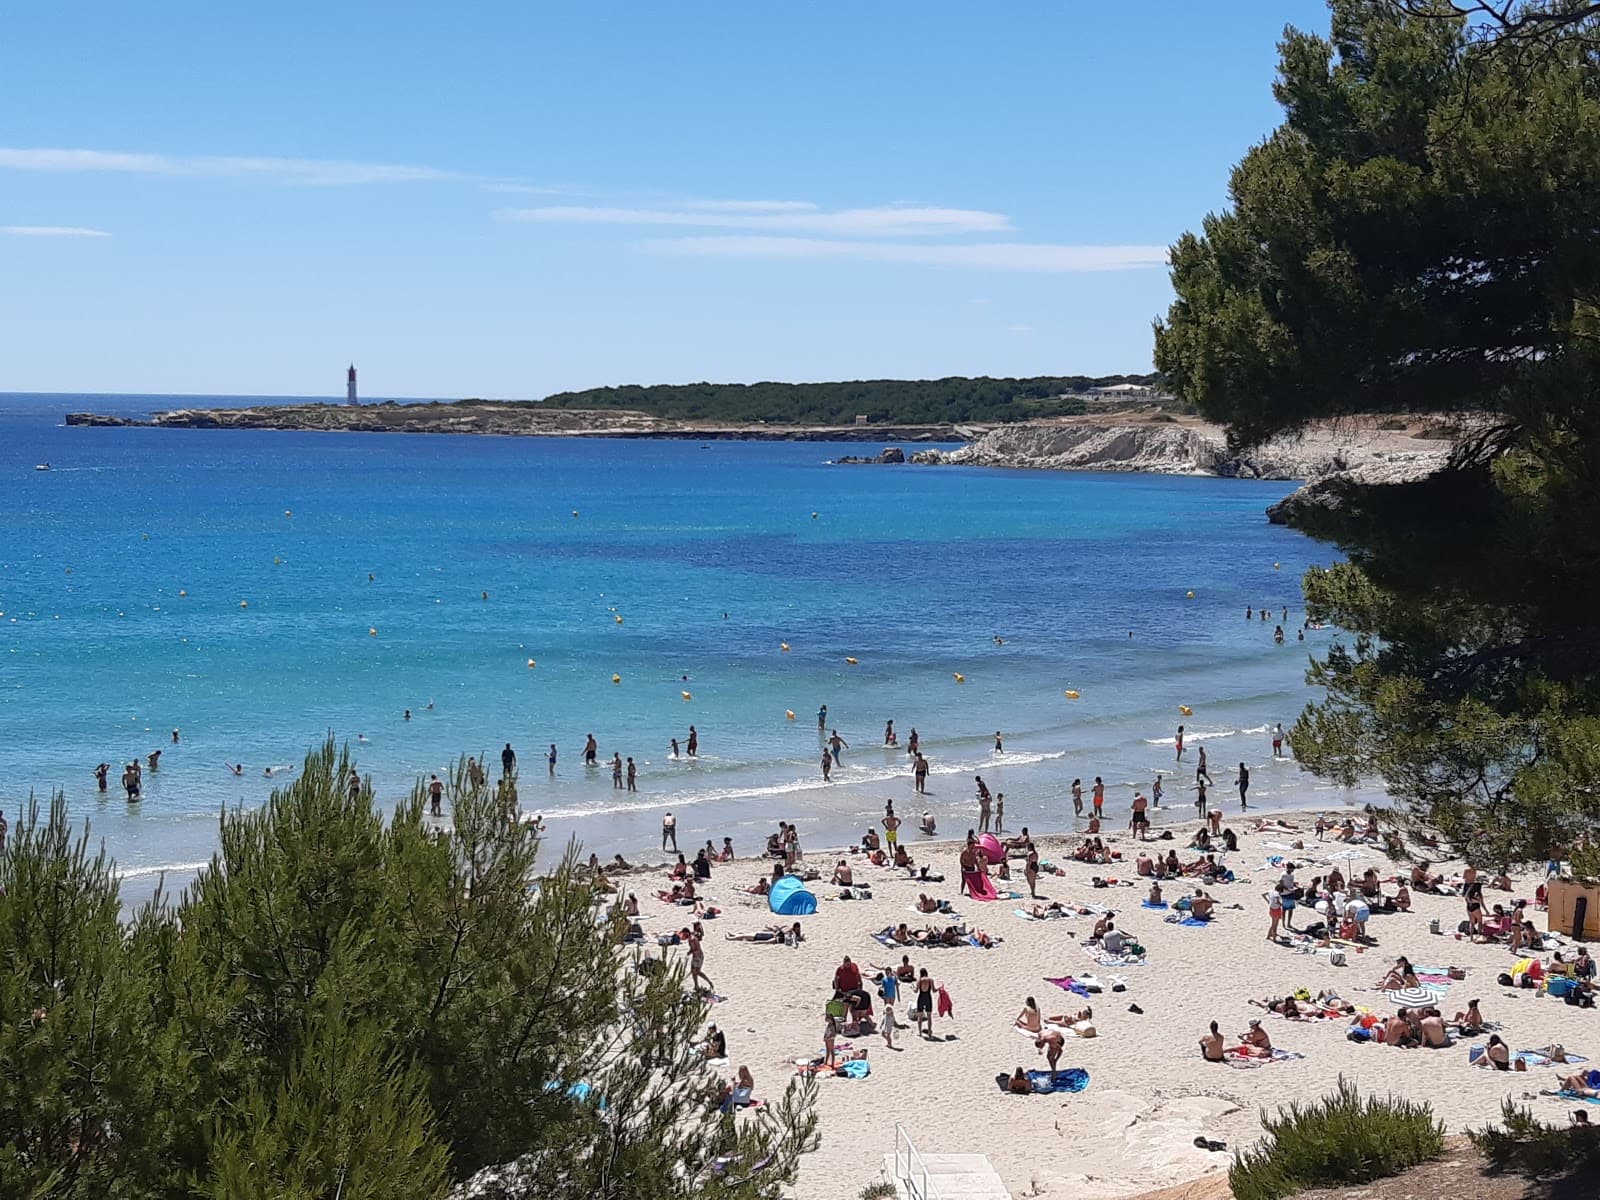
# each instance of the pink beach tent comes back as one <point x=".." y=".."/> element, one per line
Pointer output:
<point x="991" y="847"/>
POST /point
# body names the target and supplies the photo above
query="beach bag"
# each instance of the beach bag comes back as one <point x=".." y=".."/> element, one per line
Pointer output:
<point x="1456" y="972"/>
<point x="1504" y="979"/>
<point x="1336" y="957"/>
<point x="835" y="1008"/>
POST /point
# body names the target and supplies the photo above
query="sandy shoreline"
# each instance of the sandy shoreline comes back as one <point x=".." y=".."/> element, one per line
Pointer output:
<point x="1150" y="1094"/>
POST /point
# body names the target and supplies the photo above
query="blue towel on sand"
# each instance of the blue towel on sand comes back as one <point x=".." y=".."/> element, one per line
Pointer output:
<point x="1073" y="1079"/>
<point x="1147" y="904"/>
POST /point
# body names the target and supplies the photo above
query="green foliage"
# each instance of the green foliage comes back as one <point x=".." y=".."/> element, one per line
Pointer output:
<point x="348" y="1006"/>
<point x="1526" y="1146"/>
<point x="1423" y="234"/>
<point x="1336" y="1140"/>
<point x="883" y="401"/>
<point x="882" y="1190"/>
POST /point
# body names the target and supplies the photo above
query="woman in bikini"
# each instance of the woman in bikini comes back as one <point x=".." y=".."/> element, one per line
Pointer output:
<point x="1028" y="1018"/>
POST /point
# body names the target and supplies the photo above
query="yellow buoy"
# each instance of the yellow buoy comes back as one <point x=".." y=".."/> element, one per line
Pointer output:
<point x="1070" y="695"/>
<point x="686" y="695"/>
<point x="372" y="631"/>
<point x="618" y="619"/>
<point x="1191" y="595"/>
<point x="960" y="678"/>
<point x="276" y="561"/>
<point x="616" y="679"/>
<point x="788" y="714"/>
<point x="853" y="662"/>
<point x="784" y="646"/>
<point x="1186" y="710"/>
<point x="531" y="664"/>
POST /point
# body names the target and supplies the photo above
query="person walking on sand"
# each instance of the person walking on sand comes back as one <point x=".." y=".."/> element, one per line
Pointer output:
<point x="1140" y="821"/>
<point x="669" y="832"/>
<point x="920" y="773"/>
<point x="508" y="760"/>
<point x="616" y="772"/>
<point x="692" y="746"/>
<point x="697" y="957"/>
<point x="633" y="776"/>
<point x="999" y="811"/>
<point x="1179" y="740"/>
<point x="1244" y="787"/>
<point x="926" y="988"/>
<point x="827" y="765"/>
<point x="836" y="744"/>
<point x="1077" y="797"/>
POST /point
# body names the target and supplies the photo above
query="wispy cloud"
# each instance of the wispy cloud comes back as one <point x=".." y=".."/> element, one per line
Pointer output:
<point x="999" y="256"/>
<point x="753" y="206"/>
<point x="52" y="231"/>
<point x="1019" y="330"/>
<point x="885" y="221"/>
<point x="281" y="170"/>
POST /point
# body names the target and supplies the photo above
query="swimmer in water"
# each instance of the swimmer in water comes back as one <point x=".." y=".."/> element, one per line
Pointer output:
<point x="361" y="737"/>
<point x="234" y="768"/>
<point x="429" y="705"/>
<point x="408" y="714"/>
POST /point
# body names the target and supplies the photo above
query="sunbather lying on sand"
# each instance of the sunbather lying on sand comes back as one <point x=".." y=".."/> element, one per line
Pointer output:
<point x="1578" y="1084"/>
<point x="772" y="933"/>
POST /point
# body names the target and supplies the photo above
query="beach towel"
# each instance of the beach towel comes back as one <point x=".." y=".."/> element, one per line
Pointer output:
<point x="979" y="885"/>
<point x="1068" y="984"/>
<point x="856" y="1068"/>
<point x="1538" y="1058"/>
<point x="946" y="1007"/>
<point x="885" y="939"/>
<point x="1573" y="1096"/>
<point x="1069" y="1079"/>
<point x="1238" y="1056"/>
<point x="1186" y="922"/>
<point x="1112" y="960"/>
<point x="1147" y="904"/>
<point x="1049" y="915"/>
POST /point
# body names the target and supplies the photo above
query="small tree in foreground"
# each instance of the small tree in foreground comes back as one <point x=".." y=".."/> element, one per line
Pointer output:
<point x="1526" y="1146"/>
<point x="346" y="1007"/>
<point x="1337" y="1139"/>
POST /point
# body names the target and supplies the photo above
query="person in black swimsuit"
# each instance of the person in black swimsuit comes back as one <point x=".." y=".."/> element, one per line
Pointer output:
<point x="925" y="990"/>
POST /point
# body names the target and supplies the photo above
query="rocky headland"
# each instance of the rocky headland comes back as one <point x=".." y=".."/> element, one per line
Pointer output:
<point x="511" y="420"/>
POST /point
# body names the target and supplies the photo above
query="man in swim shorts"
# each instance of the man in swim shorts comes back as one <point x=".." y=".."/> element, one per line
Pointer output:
<point x="891" y="826"/>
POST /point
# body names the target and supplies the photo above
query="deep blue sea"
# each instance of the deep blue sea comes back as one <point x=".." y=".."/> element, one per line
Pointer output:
<point x="259" y="590"/>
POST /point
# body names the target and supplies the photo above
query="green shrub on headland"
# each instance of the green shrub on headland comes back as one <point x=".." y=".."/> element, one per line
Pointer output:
<point x="1335" y="1140"/>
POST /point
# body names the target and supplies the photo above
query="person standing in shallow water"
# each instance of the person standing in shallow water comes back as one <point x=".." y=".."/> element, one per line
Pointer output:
<point x="1244" y="787"/>
<point x="100" y="774"/>
<point x="1180" y="743"/>
<point x="920" y="773"/>
<point x="669" y="832"/>
<point x="827" y="765"/>
<point x="591" y="751"/>
<point x="1077" y="797"/>
<point x="633" y="776"/>
<point x="551" y="759"/>
<point x="822" y="718"/>
<point x="508" y="760"/>
<point x="435" y="796"/>
<point x="693" y="744"/>
<point x="616" y="771"/>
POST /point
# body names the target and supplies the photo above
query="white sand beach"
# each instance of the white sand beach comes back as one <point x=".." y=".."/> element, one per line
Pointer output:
<point x="1150" y="1093"/>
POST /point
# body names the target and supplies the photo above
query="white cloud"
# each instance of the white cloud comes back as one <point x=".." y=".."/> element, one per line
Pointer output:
<point x="282" y="170"/>
<point x="884" y="221"/>
<point x="999" y="256"/>
<point x="52" y="231"/>
<point x="755" y="206"/>
<point x="1019" y="330"/>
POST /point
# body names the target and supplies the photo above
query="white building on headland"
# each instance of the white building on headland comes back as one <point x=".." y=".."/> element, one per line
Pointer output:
<point x="350" y="386"/>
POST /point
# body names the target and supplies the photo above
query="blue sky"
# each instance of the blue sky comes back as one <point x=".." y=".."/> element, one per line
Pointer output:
<point x="512" y="199"/>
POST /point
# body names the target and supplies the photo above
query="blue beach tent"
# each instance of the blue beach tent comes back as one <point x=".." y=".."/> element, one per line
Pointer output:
<point x="789" y="898"/>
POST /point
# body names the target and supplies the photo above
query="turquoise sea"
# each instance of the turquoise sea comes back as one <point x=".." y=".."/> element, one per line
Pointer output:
<point x="259" y="590"/>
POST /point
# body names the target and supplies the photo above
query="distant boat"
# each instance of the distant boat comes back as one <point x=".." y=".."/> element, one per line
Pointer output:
<point x="42" y="467"/>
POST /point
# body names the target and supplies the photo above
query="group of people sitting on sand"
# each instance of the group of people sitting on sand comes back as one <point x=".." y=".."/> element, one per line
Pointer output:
<point x="1170" y="867"/>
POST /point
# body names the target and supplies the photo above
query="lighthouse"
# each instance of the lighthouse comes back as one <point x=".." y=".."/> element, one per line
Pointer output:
<point x="350" y="386"/>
